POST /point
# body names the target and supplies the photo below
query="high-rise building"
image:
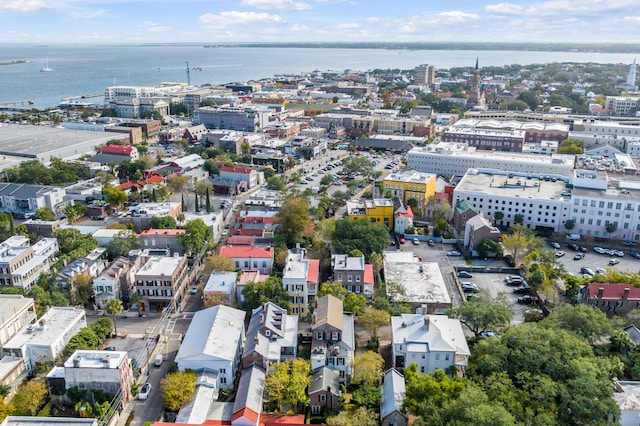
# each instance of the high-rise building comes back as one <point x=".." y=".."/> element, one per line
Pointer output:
<point x="424" y="74"/>
<point x="631" y="77"/>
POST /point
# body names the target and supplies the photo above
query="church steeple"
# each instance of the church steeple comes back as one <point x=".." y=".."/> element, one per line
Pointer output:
<point x="475" y="97"/>
<point x="634" y="61"/>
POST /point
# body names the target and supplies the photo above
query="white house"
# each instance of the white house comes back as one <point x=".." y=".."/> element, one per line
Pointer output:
<point x="250" y="258"/>
<point x="433" y="342"/>
<point x="393" y="392"/>
<point x="46" y="339"/>
<point x="214" y="342"/>
<point x="300" y="280"/>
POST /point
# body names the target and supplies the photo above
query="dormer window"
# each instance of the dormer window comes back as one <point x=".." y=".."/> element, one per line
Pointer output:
<point x="267" y="333"/>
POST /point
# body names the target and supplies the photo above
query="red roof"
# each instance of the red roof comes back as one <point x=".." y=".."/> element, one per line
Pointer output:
<point x="270" y="419"/>
<point x="117" y="149"/>
<point x="251" y="277"/>
<point x="314" y="271"/>
<point x="247" y="413"/>
<point x="613" y="291"/>
<point x="241" y="170"/>
<point x="155" y="179"/>
<point x="368" y="274"/>
<point x="130" y="184"/>
<point x="235" y="252"/>
<point x="409" y="213"/>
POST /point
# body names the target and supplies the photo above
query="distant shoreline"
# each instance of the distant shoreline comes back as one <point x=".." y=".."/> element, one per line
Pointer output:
<point x="17" y="61"/>
<point x="539" y="47"/>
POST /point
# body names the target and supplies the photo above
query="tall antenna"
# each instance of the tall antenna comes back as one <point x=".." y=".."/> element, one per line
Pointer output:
<point x="188" y="74"/>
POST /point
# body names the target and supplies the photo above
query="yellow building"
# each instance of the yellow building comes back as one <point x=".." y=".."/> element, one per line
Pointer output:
<point x="411" y="184"/>
<point x="378" y="210"/>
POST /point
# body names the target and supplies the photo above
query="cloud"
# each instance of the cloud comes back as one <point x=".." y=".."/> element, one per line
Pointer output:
<point x="154" y="27"/>
<point x="556" y="8"/>
<point x="276" y="4"/>
<point x="89" y="14"/>
<point x="456" y="16"/>
<point x="299" y="28"/>
<point x="24" y="5"/>
<point x="347" y="26"/>
<point x="372" y="20"/>
<point x="233" y="18"/>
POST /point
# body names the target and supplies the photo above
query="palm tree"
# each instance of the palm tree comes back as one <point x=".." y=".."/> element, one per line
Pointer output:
<point x="135" y="299"/>
<point x="376" y="261"/>
<point x="114" y="306"/>
<point x="181" y="218"/>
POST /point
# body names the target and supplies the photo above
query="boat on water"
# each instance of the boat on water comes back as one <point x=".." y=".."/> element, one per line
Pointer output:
<point x="44" y="66"/>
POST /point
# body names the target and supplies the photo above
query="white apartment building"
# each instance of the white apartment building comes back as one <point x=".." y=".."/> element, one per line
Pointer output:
<point x="46" y="339"/>
<point x="621" y="104"/>
<point x="300" y="280"/>
<point x="21" y="265"/>
<point x="543" y="204"/>
<point x="449" y="158"/>
<point x="16" y="313"/>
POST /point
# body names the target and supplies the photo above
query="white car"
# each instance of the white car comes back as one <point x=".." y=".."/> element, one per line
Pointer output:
<point x="145" y="390"/>
<point x="554" y="245"/>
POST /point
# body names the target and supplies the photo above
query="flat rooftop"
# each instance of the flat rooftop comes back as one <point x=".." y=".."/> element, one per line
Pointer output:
<point x="12" y="304"/>
<point x="222" y="283"/>
<point x="32" y="141"/>
<point x="423" y="281"/>
<point x="160" y="265"/>
<point x="95" y="359"/>
<point x="517" y="186"/>
<point x="56" y="322"/>
<point x="47" y="421"/>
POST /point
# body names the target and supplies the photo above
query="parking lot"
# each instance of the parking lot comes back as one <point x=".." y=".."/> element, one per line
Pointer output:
<point x="595" y="260"/>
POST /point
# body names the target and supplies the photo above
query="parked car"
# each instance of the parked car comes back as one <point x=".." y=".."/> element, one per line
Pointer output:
<point x="454" y="253"/>
<point x="514" y="282"/>
<point x="583" y="249"/>
<point x="402" y="240"/>
<point x="431" y="243"/>
<point x="525" y="300"/>
<point x="572" y="246"/>
<point x="469" y="287"/>
<point x="194" y="289"/>
<point x="587" y="271"/>
<point x="578" y="256"/>
<point x="618" y="253"/>
<point x="523" y="289"/>
<point x="598" y="250"/>
<point x="559" y="253"/>
<point x="464" y="274"/>
<point x="554" y="245"/>
<point x="600" y="271"/>
<point x="613" y="261"/>
<point x="109" y="348"/>
<point x="416" y="242"/>
<point x="145" y="390"/>
<point x="635" y="254"/>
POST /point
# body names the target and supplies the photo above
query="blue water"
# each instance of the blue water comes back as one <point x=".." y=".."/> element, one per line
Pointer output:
<point x="86" y="70"/>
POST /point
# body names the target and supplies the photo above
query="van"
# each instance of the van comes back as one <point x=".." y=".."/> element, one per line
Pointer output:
<point x="573" y="237"/>
<point x="158" y="360"/>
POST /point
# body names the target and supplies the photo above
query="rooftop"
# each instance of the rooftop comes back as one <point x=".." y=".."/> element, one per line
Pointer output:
<point x="209" y="328"/>
<point x="12" y="304"/>
<point x="223" y="282"/>
<point x="329" y="311"/>
<point x="441" y="334"/>
<point x="160" y="265"/>
<point x="393" y="391"/>
<point x="47" y="421"/>
<point x="410" y="176"/>
<point x="49" y="328"/>
<point x="423" y="281"/>
<point x="500" y="184"/>
<point x="234" y="252"/>
<point x="95" y="359"/>
<point x="343" y="262"/>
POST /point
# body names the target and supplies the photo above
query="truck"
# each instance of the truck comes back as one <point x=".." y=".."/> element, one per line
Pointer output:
<point x="573" y="237"/>
<point x="158" y="360"/>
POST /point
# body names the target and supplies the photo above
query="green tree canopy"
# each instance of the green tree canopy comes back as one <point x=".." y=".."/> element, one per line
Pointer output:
<point x="588" y="323"/>
<point x="121" y="244"/>
<point x="178" y="388"/>
<point x="482" y="313"/>
<point x="287" y="384"/>
<point x="367" y="368"/>
<point x="276" y="183"/>
<point x="361" y="234"/>
<point x="196" y="236"/>
<point x="372" y="319"/>
<point x="293" y="218"/>
<point x="255" y="294"/>
<point x="45" y="213"/>
<point x="114" y="196"/>
<point x="163" y="222"/>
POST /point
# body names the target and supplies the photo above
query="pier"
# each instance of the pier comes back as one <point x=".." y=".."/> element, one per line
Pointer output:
<point x="16" y="105"/>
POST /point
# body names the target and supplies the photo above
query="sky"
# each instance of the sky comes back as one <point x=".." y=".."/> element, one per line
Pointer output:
<point x="211" y="21"/>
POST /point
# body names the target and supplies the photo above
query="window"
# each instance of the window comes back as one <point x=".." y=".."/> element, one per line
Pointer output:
<point x="223" y="371"/>
<point x="323" y="398"/>
<point x="349" y="278"/>
<point x="223" y="380"/>
<point x="315" y="409"/>
<point x="437" y="357"/>
<point x="319" y="335"/>
<point x="267" y="333"/>
<point x="246" y="263"/>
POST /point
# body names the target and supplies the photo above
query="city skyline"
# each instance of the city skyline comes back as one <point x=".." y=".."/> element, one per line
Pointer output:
<point x="166" y="21"/>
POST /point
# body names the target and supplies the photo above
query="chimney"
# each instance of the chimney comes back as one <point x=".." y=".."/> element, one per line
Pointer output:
<point x="76" y="362"/>
<point x="626" y="294"/>
<point x="600" y="292"/>
<point x="426" y="322"/>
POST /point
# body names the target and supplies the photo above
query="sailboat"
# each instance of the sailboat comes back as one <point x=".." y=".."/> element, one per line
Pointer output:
<point x="44" y="66"/>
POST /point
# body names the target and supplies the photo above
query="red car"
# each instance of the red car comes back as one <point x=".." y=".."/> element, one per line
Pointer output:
<point x="401" y="240"/>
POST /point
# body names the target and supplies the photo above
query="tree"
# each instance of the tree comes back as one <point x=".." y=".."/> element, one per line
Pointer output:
<point x="30" y="397"/>
<point x="178" y="388"/>
<point x="177" y="183"/>
<point x="482" y="313"/>
<point x="81" y="289"/>
<point x="255" y="294"/>
<point x="181" y="218"/>
<point x="162" y="222"/>
<point x="218" y="263"/>
<point x="245" y="148"/>
<point x="114" y="196"/>
<point x="196" y="236"/>
<point x="366" y="236"/>
<point x="45" y="213"/>
<point x="515" y="243"/>
<point x="293" y="218"/>
<point x="571" y="146"/>
<point x="368" y="396"/>
<point x="276" y="183"/>
<point x="326" y="180"/>
<point x="488" y="247"/>
<point x="71" y="214"/>
<point x="588" y="323"/>
<point x="208" y="202"/>
<point x="202" y="186"/>
<point x="367" y="368"/>
<point x="372" y="319"/>
<point x="354" y="303"/>
<point x="183" y="205"/>
<point x="288" y="383"/>
<point x="360" y="416"/>
<point x="114" y="307"/>
<point x="335" y="289"/>
<point x="611" y="227"/>
<point x="134" y="299"/>
<point x="121" y="244"/>
<point x="570" y="224"/>
<point x="197" y="203"/>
